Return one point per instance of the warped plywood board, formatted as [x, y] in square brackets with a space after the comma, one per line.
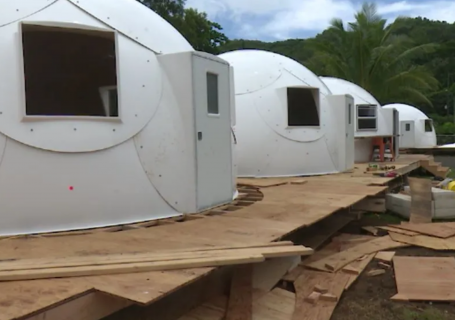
[425, 278]
[439, 229]
[342, 241]
[421, 200]
[425, 241]
[304, 286]
[338, 260]
[397, 230]
[277, 304]
[385, 255]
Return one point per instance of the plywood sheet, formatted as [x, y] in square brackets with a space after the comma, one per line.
[321, 310]
[440, 229]
[397, 230]
[421, 200]
[425, 278]
[337, 261]
[425, 241]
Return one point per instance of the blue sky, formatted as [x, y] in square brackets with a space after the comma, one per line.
[271, 20]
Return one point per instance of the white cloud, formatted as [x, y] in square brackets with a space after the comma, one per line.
[279, 19]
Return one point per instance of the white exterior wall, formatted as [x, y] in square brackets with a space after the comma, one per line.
[266, 146]
[74, 173]
[361, 96]
[408, 113]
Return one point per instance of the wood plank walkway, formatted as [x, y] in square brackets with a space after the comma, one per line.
[283, 209]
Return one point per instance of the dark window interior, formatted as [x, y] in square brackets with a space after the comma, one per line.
[366, 117]
[408, 127]
[302, 107]
[65, 69]
[366, 124]
[428, 125]
[212, 94]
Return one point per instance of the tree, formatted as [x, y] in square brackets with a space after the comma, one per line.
[369, 54]
[201, 33]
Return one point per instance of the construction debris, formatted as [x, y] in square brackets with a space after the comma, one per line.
[313, 297]
[328, 297]
[375, 272]
[385, 255]
[320, 289]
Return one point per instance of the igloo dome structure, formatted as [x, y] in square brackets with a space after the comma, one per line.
[370, 120]
[108, 116]
[287, 121]
[416, 129]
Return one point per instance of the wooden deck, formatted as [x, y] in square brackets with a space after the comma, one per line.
[284, 208]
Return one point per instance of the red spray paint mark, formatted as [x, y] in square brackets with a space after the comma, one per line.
[71, 188]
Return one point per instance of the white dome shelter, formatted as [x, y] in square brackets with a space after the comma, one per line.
[370, 119]
[108, 116]
[416, 129]
[287, 121]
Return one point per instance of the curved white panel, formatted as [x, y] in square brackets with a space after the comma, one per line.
[43, 191]
[138, 23]
[13, 10]
[139, 87]
[267, 146]
[166, 155]
[422, 139]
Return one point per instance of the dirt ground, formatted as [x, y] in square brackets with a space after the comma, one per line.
[369, 297]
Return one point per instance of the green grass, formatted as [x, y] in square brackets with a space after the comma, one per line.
[388, 217]
[427, 314]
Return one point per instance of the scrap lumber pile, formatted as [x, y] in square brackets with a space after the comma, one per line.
[31, 269]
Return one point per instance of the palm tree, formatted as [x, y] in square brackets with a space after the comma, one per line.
[369, 54]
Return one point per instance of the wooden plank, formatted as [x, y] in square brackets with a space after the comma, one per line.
[337, 261]
[425, 241]
[90, 306]
[421, 200]
[322, 310]
[267, 252]
[425, 278]
[440, 230]
[397, 230]
[33, 274]
[385, 255]
[240, 306]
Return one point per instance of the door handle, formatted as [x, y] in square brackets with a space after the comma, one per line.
[199, 135]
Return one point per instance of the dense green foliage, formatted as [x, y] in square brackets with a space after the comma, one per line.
[203, 34]
[409, 61]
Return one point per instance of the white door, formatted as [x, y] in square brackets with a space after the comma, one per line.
[211, 82]
[350, 148]
[407, 135]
